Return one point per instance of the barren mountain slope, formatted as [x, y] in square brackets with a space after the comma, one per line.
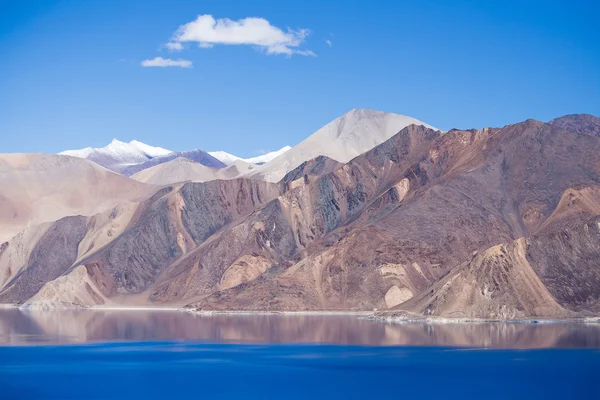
[237, 169]
[40, 258]
[472, 190]
[566, 262]
[584, 124]
[548, 275]
[186, 170]
[344, 138]
[50, 258]
[492, 223]
[124, 250]
[280, 234]
[497, 283]
[178, 170]
[308, 171]
[575, 207]
[37, 188]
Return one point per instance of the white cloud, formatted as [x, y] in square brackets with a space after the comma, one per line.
[174, 46]
[166, 62]
[306, 53]
[329, 42]
[206, 31]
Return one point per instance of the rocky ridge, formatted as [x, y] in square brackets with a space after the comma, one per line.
[497, 223]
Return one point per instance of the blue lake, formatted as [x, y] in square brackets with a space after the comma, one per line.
[169, 355]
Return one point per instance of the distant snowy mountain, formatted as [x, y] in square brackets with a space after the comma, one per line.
[130, 158]
[224, 157]
[118, 155]
[265, 158]
[133, 157]
[230, 159]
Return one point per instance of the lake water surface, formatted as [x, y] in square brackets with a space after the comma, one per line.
[169, 354]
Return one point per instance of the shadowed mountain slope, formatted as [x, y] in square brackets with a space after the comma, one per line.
[126, 248]
[198, 156]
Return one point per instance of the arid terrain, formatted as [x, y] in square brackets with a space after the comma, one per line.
[375, 211]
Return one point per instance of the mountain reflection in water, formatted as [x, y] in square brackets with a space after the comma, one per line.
[19, 327]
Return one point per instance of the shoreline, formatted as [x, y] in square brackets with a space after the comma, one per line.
[368, 315]
[445, 320]
[130, 308]
[284, 313]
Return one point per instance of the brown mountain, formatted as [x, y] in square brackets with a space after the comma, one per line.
[495, 223]
[38, 188]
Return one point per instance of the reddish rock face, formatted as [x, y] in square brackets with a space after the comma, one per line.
[395, 222]
[492, 223]
[583, 124]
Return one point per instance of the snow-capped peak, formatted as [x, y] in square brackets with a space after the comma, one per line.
[117, 147]
[224, 157]
[83, 153]
[268, 157]
[229, 159]
[119, 153]
[150, 150]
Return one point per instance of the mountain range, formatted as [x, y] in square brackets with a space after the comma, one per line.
[130, 158]
[374, 211]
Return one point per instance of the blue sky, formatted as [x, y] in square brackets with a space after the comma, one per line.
[71, 73]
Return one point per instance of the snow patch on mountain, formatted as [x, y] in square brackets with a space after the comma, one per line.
[224, 157]
[230, 159]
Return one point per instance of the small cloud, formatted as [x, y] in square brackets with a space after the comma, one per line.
[166, 62]
[258, 32]
[329, 42]
[306, 53]
[174, 46]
